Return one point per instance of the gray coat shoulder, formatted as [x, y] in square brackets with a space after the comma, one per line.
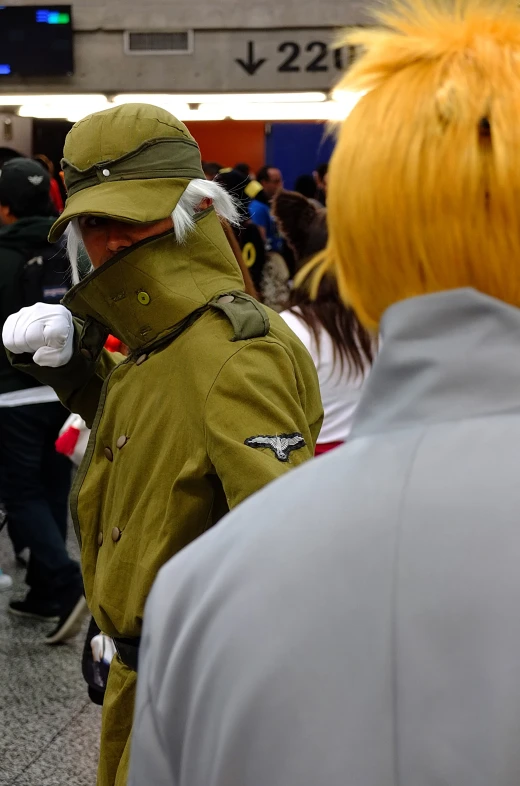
[352, 623]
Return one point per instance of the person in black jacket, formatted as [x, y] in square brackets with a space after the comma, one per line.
[35, 479]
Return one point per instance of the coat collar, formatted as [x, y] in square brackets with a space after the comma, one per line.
[146, 292]
[448, 356]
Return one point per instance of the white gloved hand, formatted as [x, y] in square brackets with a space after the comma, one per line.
[45, 331]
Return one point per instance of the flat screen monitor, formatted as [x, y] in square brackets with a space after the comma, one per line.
[36, 41]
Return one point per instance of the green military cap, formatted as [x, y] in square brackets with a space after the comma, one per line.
[132, 163]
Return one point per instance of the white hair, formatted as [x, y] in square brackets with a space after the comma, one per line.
[183, 216]
[198, 190]
[73, 235]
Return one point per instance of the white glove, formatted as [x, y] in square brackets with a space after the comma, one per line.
[42, 329]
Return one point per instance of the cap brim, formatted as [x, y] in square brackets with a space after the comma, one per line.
[135, 201]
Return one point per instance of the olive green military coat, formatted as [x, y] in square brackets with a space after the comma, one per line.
[216, 399]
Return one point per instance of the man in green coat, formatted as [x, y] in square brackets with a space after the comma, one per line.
[216, 398]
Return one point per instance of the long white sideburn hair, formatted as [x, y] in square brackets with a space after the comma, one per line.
[182, 216]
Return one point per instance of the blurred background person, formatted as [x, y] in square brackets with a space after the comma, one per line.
[211, 169]
[306, 185]
[341, 348]
[266, 271]
[277, 272]
[271, 181]
[250, 243]
[6, 153]
[35, 478]
[321, 178]
[55, 192]
[244, 169]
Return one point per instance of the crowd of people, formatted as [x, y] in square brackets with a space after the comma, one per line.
[255, 621]
[221, 268]
[269, 263]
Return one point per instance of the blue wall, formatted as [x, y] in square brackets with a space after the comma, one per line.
[297, 148]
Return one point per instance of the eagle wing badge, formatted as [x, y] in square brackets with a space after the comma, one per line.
[282, 445]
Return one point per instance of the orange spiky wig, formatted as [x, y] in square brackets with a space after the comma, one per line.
[424, 191]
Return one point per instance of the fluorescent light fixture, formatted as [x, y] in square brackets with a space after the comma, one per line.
[237, 106]
[80, 98]
[74, 111]
[72, 108]
[204, 112]
[347, 98]
[324, 111]
[166, 99]
[13, 100]
[249, 106]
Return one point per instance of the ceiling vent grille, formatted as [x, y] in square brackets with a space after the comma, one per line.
[174, 42]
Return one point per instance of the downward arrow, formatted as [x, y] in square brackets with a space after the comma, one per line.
[251, 65]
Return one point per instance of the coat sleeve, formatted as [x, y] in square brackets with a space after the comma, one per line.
[78, 383]
[260, 419]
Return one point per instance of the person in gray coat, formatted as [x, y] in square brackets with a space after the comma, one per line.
[357, 623]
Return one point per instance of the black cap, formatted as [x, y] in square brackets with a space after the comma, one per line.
[24, 187]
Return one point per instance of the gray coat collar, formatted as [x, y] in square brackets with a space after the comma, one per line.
[448, 356]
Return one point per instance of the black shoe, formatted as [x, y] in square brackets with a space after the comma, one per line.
[71, 619]
[30, 608]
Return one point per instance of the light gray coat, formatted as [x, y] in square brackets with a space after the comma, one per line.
[357, 623]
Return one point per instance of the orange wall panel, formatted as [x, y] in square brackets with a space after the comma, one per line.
[231, 141]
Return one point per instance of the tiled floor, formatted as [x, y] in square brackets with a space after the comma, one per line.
[49, 729]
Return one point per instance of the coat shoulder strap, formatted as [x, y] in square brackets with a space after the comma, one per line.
[248, 317]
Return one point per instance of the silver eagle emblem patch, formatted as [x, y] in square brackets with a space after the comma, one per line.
[282, 445]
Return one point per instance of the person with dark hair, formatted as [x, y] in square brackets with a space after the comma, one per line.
[306, 186]
[268, 271]
[35, 481]
[321, 178]
[250, 242]
[55, 193]
[342, 349]
[243, 169]
[7, 153]
[269, 180]
[211, 169]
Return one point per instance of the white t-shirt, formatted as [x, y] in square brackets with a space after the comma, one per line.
[339, 393]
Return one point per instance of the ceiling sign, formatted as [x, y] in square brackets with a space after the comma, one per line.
[293, 55]
[297, 59]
